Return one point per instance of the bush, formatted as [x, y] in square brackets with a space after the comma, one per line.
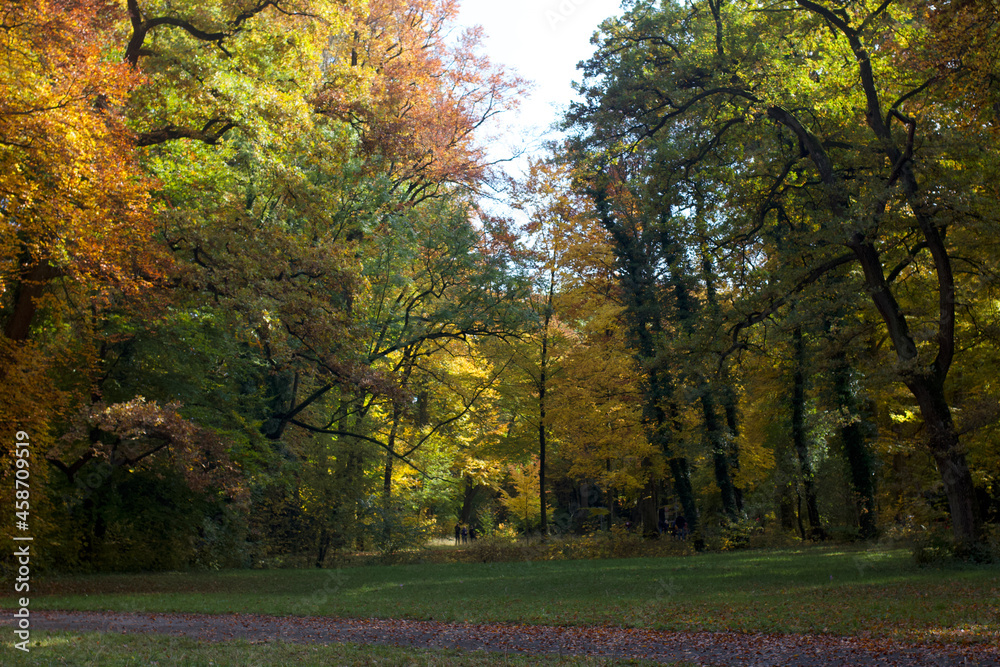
[499, 549]
[736, 534]
[505, 546]
[392, 529]
[937, 547]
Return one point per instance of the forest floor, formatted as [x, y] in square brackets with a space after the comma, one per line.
[612, 645]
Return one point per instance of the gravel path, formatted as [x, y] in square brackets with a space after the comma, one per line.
[698, 647]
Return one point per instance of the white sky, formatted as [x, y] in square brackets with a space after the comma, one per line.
[542, 40]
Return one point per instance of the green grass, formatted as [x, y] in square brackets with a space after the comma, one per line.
[63, 648]
[869, 592]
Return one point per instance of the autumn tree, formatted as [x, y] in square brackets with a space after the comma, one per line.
[73, 203]
[826, 125]
[639, 258]
[425, 96]
[217, 184]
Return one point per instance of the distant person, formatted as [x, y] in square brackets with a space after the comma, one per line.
[681, 527]
[465, 535]
[472, 533]
[458, 533]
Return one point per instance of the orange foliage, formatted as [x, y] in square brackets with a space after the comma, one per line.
[425, 97]
[74, 228]
[71, 196]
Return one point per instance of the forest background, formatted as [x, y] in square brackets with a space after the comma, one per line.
[253, 310]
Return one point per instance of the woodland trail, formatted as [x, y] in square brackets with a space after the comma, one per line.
[701, 648]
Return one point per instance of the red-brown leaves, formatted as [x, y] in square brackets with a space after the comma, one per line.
[424, 97]
[141, 432]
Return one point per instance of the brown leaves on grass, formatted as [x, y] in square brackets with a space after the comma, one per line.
[701, 648]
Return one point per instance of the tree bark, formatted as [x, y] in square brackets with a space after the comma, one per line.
[468, 500]
[542, 389]
[854, 438]
[800, 438]
[390, 455]
[720, 455]
[725, 449]
[34, 280]
[685, 491]
[648, 506]
[644, 316]
[927, 381]
[732, 423]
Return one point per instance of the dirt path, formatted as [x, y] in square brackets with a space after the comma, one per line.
[699, 647]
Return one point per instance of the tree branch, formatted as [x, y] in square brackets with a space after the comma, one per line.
[801, 284]
[348, 434]
[210, 134]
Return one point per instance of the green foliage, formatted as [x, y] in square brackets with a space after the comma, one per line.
[251, 312]
[743, 133]
[134, 520]
[487, 517]
[938, 548]
[522, 503]
[394, 528]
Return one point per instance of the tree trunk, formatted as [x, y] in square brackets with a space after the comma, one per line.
[786, 509]
[390, 455]
[397, 416]
[798, 514]
[468, 500]
[542, 388]
[29, 290]
[645, 318]
[949, 456]
[685, 492]
[323, 545]
[648, 505]
[724, 448]
[925, 380]
[732, 423]
[854, 438]
[800, 436]
[718, 441]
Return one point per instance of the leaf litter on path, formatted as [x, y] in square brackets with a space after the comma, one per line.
[702, 648]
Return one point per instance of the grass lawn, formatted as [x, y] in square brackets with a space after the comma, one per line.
[866, 592]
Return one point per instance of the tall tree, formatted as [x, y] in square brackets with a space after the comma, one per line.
[640, 256]
[811, 119]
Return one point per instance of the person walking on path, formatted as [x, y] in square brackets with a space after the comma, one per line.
[458, 533]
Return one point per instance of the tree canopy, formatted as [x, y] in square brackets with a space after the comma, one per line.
[250, 304]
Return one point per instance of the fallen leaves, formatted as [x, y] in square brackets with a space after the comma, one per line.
[703, 648]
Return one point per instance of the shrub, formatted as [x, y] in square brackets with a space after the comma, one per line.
[937, 547]
[392, 529]
[503, 546]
